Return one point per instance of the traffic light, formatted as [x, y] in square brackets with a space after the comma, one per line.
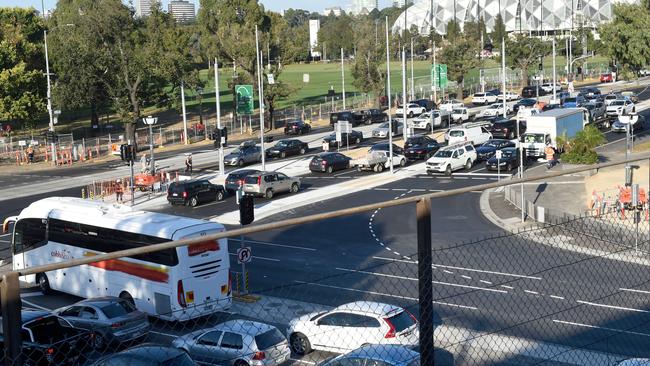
[216, 136]
[127, 152]
[246, 210]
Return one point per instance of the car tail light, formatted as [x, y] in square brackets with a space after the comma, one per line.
[259, 180]
[118, 324]
[240, 182]
[184, 194]
[49, 354]
[181, 294]
[391, 329]
[323, 163]
[259, 356]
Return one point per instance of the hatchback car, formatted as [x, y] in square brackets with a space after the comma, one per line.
[297, 128]
[267, 184]
[235, 179]
[284, 148]
[378, 354]
[634, 123]
[329, 162]
[113, 320]
[420, 147]
[193, 192]
[236, 342]
[147, 355]
[246, 153]
[351, 325]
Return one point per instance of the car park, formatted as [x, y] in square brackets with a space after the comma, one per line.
[268, 184]
[484, 98]
[451, 158]
[247, 152]
[489, 148]
[329, 162]
[474, 133]
[147, 354]
[284, 148]
[297, 128]
[348, 326]
[508, 160]
[235, 179]
[236, 342]
[383, 129]
[420, 147]
[411, 110]
[507, 128]
[111, 319]
[353, 138]
[450, 104]
[194, 192]
[620, 107]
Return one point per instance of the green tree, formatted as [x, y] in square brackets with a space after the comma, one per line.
[22, 84]
[522, 52]
[460, 57]
[337, 33]
[626, 38]
[366, 70]
[453, 30]
[499, 31]
[581, 148]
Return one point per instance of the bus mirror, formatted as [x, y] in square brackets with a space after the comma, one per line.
[5, 224]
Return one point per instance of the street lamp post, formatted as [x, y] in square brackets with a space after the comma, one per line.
[150, 121]
[199, 95]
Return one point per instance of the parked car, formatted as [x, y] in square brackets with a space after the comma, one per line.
[484, 98]
[284, 148]
[451, 158]
[531, 92]
[495, 109]
[636, 122]
[147, 355]
[574, 102]
[353, 138]
[420, 147]
[235, 179]
[450, 104]
[507, 128]
[268, 184]
[487, 150]
[378, 160]
[548, 88]
[329, 162]
[561, 96]
[373, 115]
[630, 95]
[341, 116]
[473, 133]
[510, 96]
[619, 107]
[590, 92]
[412, 109]
[509, 160]
[297, 128]
[384, 146]
[236, 342]
[351, 325]
[460, 115]
[596, 111]
[425, 103]
[549, 106]
[378, 354]
[247, 152]
[527, 102]
[49, 340]
[193, 192]
[112, 320]
[424, 121]
[609, 98]
[382, 130]
[606, 78]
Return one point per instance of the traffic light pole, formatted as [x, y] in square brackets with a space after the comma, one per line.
[132, 183]
[216, 92]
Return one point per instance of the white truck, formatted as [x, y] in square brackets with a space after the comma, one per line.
[378, 160]
[545, 127]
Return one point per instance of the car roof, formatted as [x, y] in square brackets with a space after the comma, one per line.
[369, 307]
[99, 301]
[27, 315]
[152, 352]
[393, 353]
[243, 326]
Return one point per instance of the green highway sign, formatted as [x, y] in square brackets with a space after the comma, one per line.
[439, 75]
[244, 95]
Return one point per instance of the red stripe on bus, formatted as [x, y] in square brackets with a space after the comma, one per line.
[199, 248]
[142, 271]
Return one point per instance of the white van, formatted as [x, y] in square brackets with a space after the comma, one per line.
[468, 132]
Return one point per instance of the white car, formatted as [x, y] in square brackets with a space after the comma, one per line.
[495, 109]
[351, 325]
[451, 158]
[460, 115]
[510, 96]
[412, 109]
[382, 130]
[609, 98]
[548, 87]
[619, 107]
[450, 104]
[473, 133]
[484, 98]
[425, 121]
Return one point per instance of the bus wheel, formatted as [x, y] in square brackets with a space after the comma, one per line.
[43, 283]
[127, 296]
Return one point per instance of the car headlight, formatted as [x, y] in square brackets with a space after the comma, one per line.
[502, 163]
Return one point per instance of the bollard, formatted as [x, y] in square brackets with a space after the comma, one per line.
[246, 283]
[83, 193]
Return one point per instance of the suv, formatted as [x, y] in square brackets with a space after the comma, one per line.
[420, 147]
[373, 115]
[425, 103]
[596, 110]
[484, 98]
[297, 128]
[195, 191]
[341, 116]
[267, 184]
[235, 179]
[531, 92]
[451, 158]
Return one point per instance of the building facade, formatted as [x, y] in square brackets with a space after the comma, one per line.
[363, 6]
[143, 7]
[314, 27]
[182, 10]
[335, 10]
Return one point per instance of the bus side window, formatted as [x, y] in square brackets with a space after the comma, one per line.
[29, 234]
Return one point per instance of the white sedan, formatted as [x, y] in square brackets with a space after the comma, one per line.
[412, 109]
[511, 96]
[450, 105]
[494, 110]
[619, 107]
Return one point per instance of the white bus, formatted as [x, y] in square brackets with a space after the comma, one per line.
[175, 284]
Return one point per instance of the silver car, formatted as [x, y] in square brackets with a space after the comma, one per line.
[236, 342]
[113, 320]
[267, 184]
[246, 153]
[382, 130]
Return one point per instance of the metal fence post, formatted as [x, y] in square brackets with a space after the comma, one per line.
[425, 278]
[11, 318]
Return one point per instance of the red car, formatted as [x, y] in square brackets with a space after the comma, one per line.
[606, 78]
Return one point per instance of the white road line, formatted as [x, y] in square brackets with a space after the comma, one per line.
[418, 190]
[466, 277]
[531, 292]
[34, 305]
[460, 177]
[634, 290]
[612, 307]
[3, 235]
[415, 279]
[448, 272]
[486, 282]
[400, 189]
[462, 268]
[381, 189]
[301, 361]
[273, 244]
[508, 287]
[382, 294]
[603, 328]
[5, 241]
[164, 334]
[341, 173]
[209, 204]
[556, 297]
[262, 258]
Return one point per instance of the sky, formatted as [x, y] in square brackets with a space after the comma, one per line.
[276, 5]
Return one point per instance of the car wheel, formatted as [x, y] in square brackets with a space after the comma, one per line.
[240, 162]
[509, 167]
[98, 341]
[386, 119]
[43, 284]
[299, 344]
[468, 164]
[283, 155]
[428, 127]
[194, 202]
[410, 114]
[448, 170]
[220, 196]
[330, 169]
[402, 163]
[294, 188]
[302, 151]
[268, 194]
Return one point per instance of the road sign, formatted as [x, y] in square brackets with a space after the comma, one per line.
[305, 78]
[499, 154]
[271, 79]
[439, 75]
[244, 99]
[244, 255]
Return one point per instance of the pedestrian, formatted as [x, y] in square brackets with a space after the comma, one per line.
[188, 163]
[30, 154]
[549, 151]
[143, 163]
[119, 191]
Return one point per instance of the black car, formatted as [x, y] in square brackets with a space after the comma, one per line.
[590, 93]
[297, 128]
[425, 103]
[329, 162]
[508, 161]
[50, 340]
[372, 115]
[194, 191]
[527, 102]
[548, 107]
[287, 147]
[343, 116]
[531, 91]
[235, 179]
[353, 138]
[420, 147]
[487, 150]
[147, 355]
[507, 128]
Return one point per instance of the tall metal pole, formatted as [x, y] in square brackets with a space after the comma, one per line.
[184, 113]
[152, 162]
[218, 101]
[412, 74]
[49, 99]
[404, 103]
[435, 78]
[503, 82]
[343, 77]
[260, 93]
[521, 169]
[390, 117]
[554, 72]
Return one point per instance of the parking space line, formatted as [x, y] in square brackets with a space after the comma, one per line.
[634, 290]
[3, 235]
[164, 334]
[302, 361]
[612, 307]
[35, 305]
[598, 327]
[341, 173]
[272, 244]
[209, 204]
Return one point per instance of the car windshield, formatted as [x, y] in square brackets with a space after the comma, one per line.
[48, 329]
[534, 138]
[180, 360]
[589, 106]
[282, 143]
[269, 339]
[443, 154]
[491, 144]
[618, 102]
[496, 106]
[456, 133]
[116, 309]
[236, 152]
[383, 125]
[458, 111]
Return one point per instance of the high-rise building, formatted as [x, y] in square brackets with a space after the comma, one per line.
[182, 10]
[335, 10]
[363, 6]
[314, 27]
[143, 7]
